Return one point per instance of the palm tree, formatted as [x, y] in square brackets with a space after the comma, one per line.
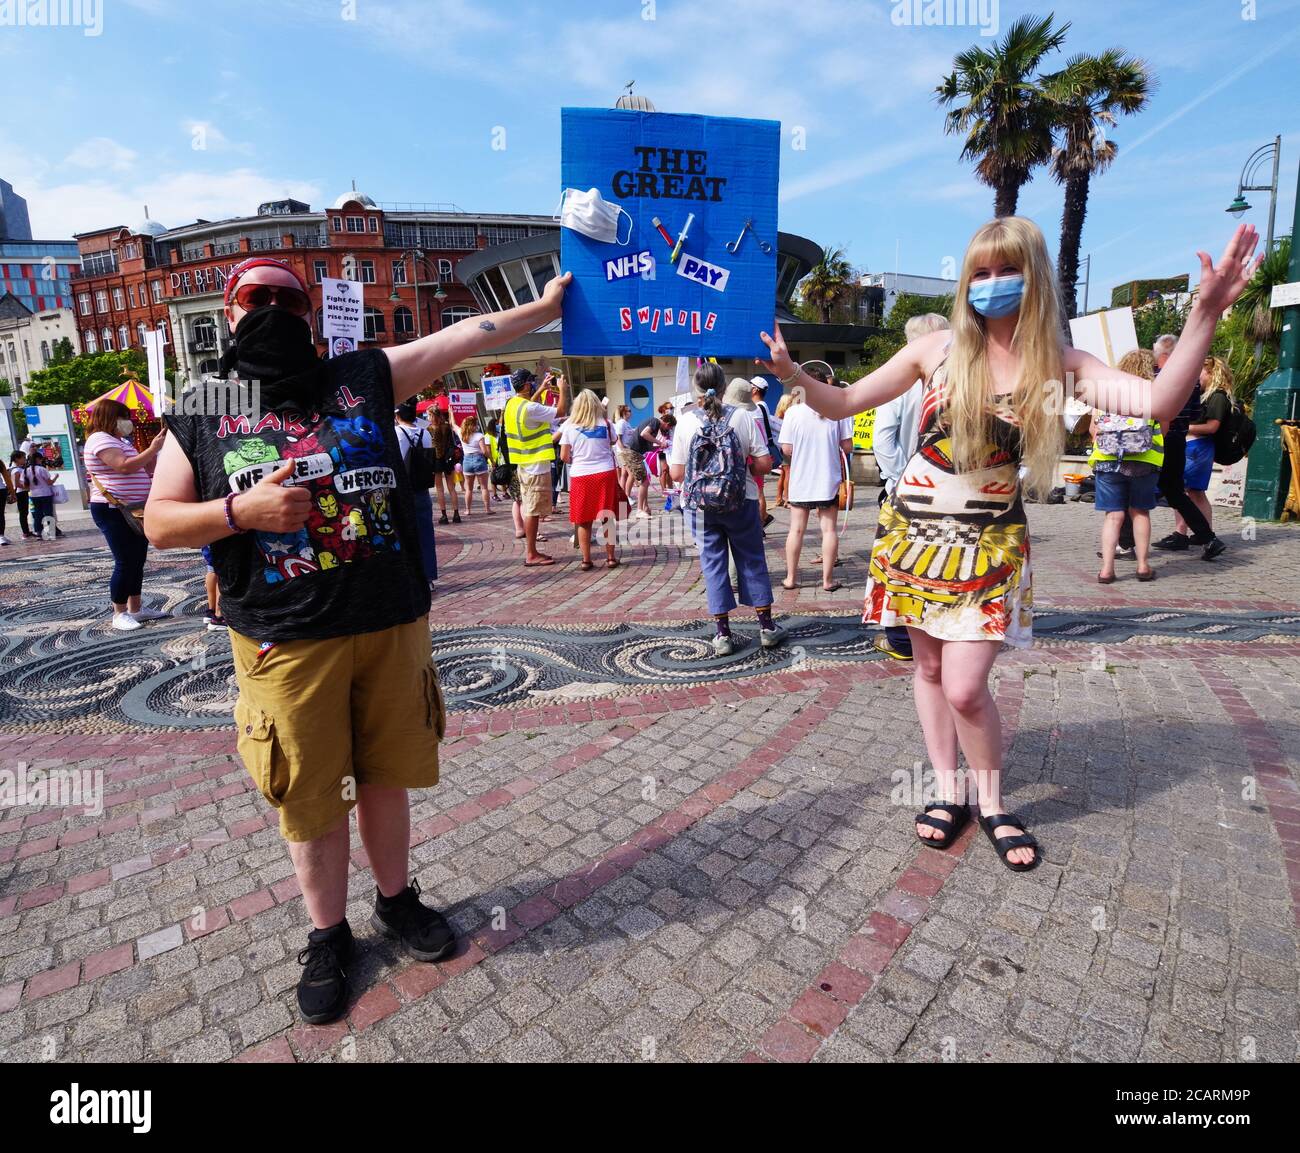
[1088, 95]
[828, 282]
[1266, 321]
[1005, 118]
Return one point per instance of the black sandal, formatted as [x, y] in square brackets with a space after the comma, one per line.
[1004, 845]
[960, 815]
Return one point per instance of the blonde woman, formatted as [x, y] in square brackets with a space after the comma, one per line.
[788, 401]
[951, 557]
[1216, 405]
[587, 447]
[475, 465]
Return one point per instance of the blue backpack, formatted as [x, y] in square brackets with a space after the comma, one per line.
[715, 467]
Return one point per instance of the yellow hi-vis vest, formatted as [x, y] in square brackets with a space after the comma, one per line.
[527, 444]
[1155, 455]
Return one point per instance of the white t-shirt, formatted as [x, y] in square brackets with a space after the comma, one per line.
[775, 421]
[36, 479]
[624, 432]
[475, 444]
[813, 445]
[408, 438]
[591, 449]
[742, 424]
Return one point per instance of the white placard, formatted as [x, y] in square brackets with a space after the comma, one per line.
[1109, 336]
[156, 354]
[496, 391]
[1285, 295]
[343, 315]
[1228, 485]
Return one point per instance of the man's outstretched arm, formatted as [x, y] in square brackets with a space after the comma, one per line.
[417, 365]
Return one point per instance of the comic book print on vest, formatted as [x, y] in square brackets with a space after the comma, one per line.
[341, 462]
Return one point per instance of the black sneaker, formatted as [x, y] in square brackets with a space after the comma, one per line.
[1174, 542]
[443, 519]
[423, 931]
[323, 986]
[455, 517]
[1213, 549]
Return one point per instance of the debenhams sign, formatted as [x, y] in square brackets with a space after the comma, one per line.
[201, 280]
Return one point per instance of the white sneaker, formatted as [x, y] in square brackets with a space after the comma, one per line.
[4, 540]
[151, 615]
[125, 622]
[640, 515]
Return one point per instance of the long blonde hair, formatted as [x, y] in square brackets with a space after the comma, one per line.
[788, 401]
[588, 412]
[1220, 377]
[1037, 398]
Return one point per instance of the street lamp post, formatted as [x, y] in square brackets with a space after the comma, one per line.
[1256, 160]
[1087, 264]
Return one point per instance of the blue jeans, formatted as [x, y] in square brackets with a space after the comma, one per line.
[424, 529]
[42, 506]
[129, 549]
[741, 532]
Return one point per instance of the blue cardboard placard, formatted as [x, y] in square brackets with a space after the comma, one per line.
[630, 299]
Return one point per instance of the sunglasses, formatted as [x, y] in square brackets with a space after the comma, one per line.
[251, 296]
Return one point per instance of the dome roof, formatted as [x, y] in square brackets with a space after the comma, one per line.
[353, 197]
[147, 227]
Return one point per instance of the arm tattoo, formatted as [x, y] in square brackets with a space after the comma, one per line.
[487, 326]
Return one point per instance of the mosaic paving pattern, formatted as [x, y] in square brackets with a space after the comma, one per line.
[62, 668]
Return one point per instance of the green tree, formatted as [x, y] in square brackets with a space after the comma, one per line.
[1266, 321]
[83, 378]
[1006, 119]
[879, 347]
[1088, 95]
[827, 283]
[1248, 358]
[62, 352]
[1157, 318]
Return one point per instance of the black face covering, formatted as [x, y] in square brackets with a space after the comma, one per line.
[274, 348]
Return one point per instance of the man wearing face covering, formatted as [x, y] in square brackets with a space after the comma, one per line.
[308, 511]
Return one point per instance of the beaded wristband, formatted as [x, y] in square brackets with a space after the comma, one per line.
[791, 378]
[230, 513]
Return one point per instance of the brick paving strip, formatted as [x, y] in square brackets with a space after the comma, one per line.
[249, 904]
[822, 1007]
[415, 980]
[1268, 762]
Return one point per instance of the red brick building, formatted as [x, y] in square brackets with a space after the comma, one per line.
[150, 276]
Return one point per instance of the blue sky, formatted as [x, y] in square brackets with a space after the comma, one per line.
[294, 98]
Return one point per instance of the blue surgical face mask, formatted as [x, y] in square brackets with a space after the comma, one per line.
[998, 296]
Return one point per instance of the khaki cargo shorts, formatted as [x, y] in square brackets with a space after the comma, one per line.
[535, 493]
[318, 718]
[634, 462]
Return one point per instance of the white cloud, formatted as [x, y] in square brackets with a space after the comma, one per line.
[176, 198]
[882, 159]
[204, 136]
[101, 152]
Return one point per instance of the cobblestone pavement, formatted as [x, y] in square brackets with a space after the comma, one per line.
[700, 861]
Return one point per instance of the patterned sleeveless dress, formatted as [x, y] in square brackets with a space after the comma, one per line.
[951, 554]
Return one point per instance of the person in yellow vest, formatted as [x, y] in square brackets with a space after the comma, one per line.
[1127, 452]
[531, 446]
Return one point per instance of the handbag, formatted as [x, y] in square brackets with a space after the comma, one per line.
[847, 487]
[60, 493]
[133, 514]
